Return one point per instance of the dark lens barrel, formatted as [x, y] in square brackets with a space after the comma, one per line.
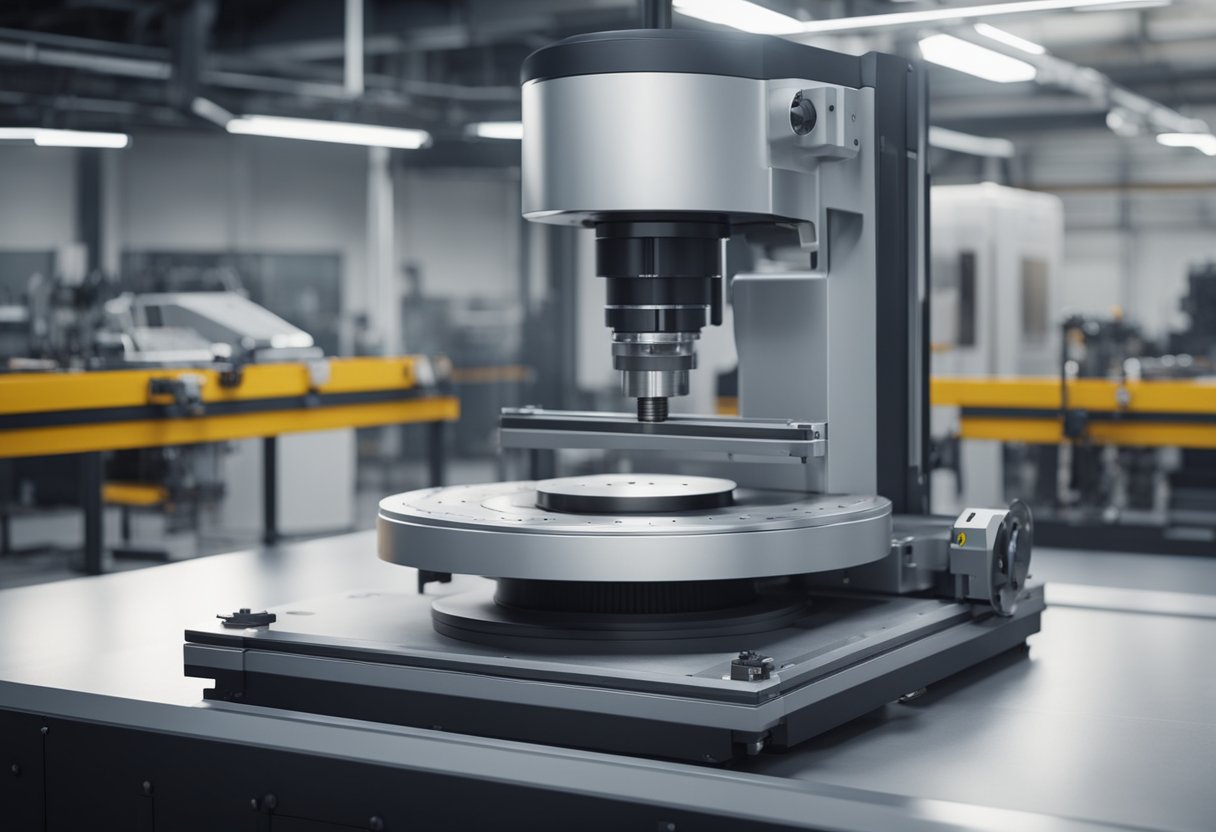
[662, 276]
[669, 249]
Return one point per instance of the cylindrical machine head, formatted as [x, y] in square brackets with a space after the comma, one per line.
[660, 140]
[628, 152]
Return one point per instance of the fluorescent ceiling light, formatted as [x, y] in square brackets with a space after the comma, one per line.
[874, 21]
[338, 132]
[750, 17]
[740, 14]
[973, 59]
[1123, 5]
[1123, 122]
[208, 109]
[969, 144]
[498, 130]
[1204, 142]
[64, 138]
[1009, 39]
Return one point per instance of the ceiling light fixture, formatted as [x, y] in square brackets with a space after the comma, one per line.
[212, 112]
[1009, 39]
[1123, 122]
[1203, 142]
[498, 130]
[1125, 5]
[740, 14]
[751, 17]
[973, 59]
[337, 132]
[64, 138]
[971, 145]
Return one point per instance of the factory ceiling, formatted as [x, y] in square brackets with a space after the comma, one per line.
[139, 64]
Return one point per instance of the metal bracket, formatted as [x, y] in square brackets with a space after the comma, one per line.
[750, 666]
[186, 391]
[762, 440]
[245, 617]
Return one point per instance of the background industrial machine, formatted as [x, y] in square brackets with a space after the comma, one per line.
[90, 350]
[996, 259]
[1114, 448]
[675, 615]
[484, 338]
[73, 323]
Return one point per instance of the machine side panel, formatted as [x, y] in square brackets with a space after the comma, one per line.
[900, 342]
[152, 780]
[807, 341]
[22, 781]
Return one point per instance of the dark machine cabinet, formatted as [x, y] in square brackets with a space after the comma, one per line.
[22, 783]
[85, 776]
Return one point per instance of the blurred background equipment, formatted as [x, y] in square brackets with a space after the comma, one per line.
[88, 357]
[1116, 452]
[263, 262]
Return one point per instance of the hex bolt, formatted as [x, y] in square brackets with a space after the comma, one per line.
[270, 802]
[375, 823]
[147, 787]
[15, 769]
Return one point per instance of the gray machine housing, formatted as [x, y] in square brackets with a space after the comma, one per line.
[668, 128]
[684, 125]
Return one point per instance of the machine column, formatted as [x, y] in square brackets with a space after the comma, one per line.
[436, 457]
[270, 490]
[91, 470]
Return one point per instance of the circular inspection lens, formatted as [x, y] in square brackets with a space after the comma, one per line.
[802, 114]
[633, 494]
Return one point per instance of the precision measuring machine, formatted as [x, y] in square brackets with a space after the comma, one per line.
[788, 579]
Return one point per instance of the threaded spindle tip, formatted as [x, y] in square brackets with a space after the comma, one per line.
[652, 409]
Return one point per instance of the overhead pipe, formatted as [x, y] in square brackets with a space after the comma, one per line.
[32, 53]
[21, 47]
[354, 48]
[1098, 88]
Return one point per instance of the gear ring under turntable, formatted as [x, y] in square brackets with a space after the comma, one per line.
[498, 530]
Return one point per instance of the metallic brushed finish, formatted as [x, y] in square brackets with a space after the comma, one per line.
[689, 143]
[633, 493]
[496, 530]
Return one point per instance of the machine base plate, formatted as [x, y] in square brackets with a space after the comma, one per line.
[375, 656]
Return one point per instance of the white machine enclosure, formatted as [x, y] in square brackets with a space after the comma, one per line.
[997, 255]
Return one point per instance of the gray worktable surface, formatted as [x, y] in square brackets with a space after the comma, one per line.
[1111, 716]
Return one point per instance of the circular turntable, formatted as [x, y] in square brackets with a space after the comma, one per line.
[630, 528]
[633, 494]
